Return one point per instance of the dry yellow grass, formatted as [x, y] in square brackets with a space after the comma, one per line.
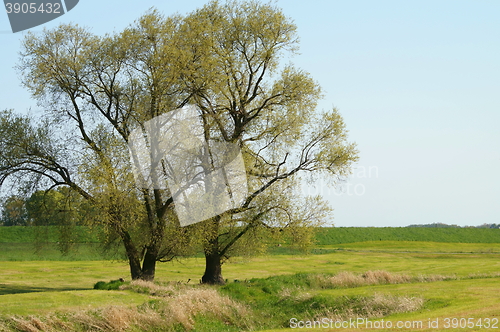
[377, 277]
[181, 303]
[184, 307]
[378, 306]
[24, 325]
[151, 288]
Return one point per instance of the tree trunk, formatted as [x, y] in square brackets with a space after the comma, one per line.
[135, 268]
[213, 264]
[149, 266]
[213, 269]
[147, 271]
[134, 260]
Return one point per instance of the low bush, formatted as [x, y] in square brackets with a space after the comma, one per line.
[112, 285]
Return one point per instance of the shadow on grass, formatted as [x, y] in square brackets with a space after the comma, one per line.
[19, 289]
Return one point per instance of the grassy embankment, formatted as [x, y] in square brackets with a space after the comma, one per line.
[16, 243]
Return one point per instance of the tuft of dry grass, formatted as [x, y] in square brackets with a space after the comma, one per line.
[3, 327]
[483, 275]
[377, 306]
[381, 305]
[346, 279]
[34, 324]
[434, 277]
[384, 277]
[151, 288]
[114, 318]
[183, 307]
[24, 325]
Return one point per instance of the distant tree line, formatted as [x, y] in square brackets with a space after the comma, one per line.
[441, 225]
[41, 208]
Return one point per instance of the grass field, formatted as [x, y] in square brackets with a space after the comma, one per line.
[452, 280]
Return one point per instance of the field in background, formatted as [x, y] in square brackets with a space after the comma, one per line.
[333, 235]
[470, 289]
[16, 243]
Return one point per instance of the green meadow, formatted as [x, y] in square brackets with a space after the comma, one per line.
[403, 279]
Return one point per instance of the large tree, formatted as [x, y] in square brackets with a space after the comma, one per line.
[248, 97]
[225, 60]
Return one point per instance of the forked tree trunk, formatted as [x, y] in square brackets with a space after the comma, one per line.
[147, 270]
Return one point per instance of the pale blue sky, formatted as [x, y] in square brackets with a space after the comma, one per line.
[418, 83]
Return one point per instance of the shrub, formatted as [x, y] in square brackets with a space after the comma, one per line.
[112, 285]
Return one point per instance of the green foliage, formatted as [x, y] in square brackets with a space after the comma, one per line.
[112, 285]
[100, 285]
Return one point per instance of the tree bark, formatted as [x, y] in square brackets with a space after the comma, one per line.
[213, 264]
[133, 258]
[149, 266]
[135, 269]
[213, 269]
[147, 270]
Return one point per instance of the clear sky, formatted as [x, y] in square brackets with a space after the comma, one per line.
[418, 84]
